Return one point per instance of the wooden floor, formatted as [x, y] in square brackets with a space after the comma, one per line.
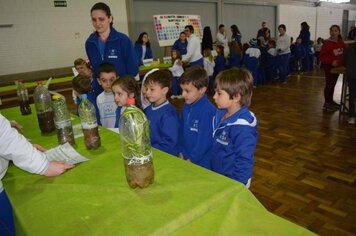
[305, 161]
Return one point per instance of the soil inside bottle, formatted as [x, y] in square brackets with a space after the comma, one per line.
[92, 138]
[45, 121]
[25, 107]
[66, 135]
[139, 175]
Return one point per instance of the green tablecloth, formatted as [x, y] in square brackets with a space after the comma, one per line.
[94, 198]
[34, 84]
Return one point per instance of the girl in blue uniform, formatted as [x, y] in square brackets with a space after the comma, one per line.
[143, 47]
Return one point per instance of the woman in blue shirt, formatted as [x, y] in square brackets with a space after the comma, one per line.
[143, 47]
[181, 44]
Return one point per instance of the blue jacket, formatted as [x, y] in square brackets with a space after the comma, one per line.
[305, 36]
[234, 144]
[139, 51]
[234, 59]
[299, 51]
[181, 47]
[164, 126]
[219, 64]
[118, 116]
[195, 131]
[237, 38]
[118, 51]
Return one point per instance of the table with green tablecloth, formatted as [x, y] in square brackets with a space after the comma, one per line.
[95, 199]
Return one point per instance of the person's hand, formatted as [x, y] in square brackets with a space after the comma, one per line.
[57, 168]
[16, 126]
[39, 147]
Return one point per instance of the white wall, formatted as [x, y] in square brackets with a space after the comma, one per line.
[318, 18]
[292, 16]
[47, 37]
[352, 15]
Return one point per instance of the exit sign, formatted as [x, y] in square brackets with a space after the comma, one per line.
[60, 3]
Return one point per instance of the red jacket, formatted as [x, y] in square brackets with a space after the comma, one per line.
[332, 51]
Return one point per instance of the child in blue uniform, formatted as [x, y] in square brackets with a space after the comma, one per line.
[219, 60]
[234, 126]
[163, 117]
[83, 85]
[124, 88]
[197, 115]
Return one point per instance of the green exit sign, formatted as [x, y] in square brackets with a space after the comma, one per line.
[60, 3]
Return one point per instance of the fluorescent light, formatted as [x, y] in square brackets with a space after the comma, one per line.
[335, 1]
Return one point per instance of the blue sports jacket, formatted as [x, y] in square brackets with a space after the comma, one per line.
[234, 144]
[139, 51]
[118, 51]
[195, 132]
[181, 47]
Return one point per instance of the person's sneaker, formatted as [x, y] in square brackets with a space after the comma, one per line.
[336, 105]
[351, 120]
[330, 107]
[173, 97]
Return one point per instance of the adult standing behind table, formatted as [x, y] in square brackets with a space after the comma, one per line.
[193, 56]
[181, 44]
[350, 63]
[143, 47]
[108, 45]
[15, 147]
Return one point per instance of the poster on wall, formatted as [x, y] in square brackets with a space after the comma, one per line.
[168, 27]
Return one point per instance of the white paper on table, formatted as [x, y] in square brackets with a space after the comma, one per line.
[65, 153]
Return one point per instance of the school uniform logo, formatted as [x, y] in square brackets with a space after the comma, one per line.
[109, 110]
[112, 53]
[338, 51]
[195, 125]
[222, 138]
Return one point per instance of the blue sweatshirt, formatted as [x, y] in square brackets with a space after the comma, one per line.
[139, 51]
[299, 51]
[164, 126]
[118, 51]
[234, 59]
[118, 116]
[181, 47]
[234, 144]
[219, 64]
[195, 131]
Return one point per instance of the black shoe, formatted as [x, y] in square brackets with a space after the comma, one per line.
[329, 107]
[336, 105]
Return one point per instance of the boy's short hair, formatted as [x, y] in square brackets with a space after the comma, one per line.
[236, 81]
[283, 26]
[190, 27]
[81, 84]
[272, 42]
[195, 75]
[106, 68]
[221, 25]
[161, 77]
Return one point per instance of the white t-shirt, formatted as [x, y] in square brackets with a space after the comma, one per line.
[107, 107]
[209, 66]
[177, 69]
[193, 49]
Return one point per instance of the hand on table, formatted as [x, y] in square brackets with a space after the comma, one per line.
[57, 168]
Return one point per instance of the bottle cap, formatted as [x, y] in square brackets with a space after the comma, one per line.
[39, 82]
[20, 80]
[83, 96]
[130, 101]
[56, 96]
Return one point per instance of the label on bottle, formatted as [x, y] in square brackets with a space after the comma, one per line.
[63, 124]
[86, 125]
[139, 160]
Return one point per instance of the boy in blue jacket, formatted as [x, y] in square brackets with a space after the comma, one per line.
[197, 115]
[234, 126]
[162, 116]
